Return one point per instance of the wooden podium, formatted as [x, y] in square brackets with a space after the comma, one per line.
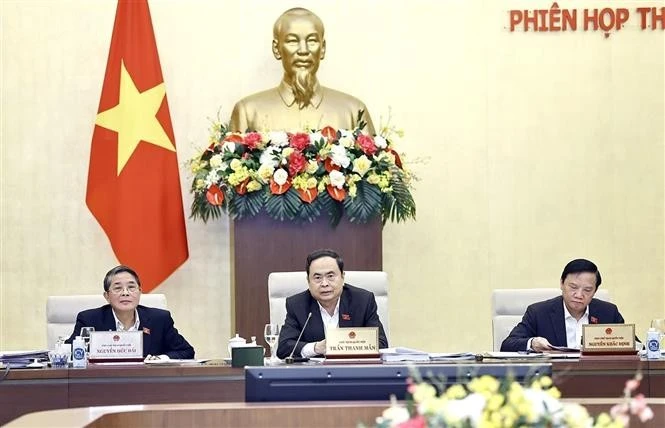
[261, 245]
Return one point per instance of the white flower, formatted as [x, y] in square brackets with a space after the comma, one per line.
[211, 178]
[278, 138]
[216, 161]
[347, 141]
[361, 165]
[337, 179]
[396, 414]
[280, 176]
[229, 146]
[265, 171]
[268, 156]
[380, 142]
[339, 156]
[315, 137]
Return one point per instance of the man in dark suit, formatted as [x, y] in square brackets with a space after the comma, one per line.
[559, 321]
[122, 289]
[332, 304]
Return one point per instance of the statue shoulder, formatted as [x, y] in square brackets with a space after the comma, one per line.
[342, 98]
[269, 96]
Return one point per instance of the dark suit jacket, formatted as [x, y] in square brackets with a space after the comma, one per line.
[356, 302]
[546, 319]
[163, 338]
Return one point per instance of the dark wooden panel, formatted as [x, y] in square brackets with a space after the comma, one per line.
[262, 245]
[18, 397]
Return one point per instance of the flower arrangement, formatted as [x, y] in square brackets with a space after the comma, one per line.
[488, 402]
[297, 176]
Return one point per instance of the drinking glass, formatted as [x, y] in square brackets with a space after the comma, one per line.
[85, 334]
[271, 333]
[659, 325]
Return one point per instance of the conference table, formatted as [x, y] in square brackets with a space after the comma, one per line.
[24, 391]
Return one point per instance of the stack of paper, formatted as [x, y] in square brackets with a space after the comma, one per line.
[451, 356]
[18, 359]
[403, 354]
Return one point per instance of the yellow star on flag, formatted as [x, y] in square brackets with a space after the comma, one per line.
[134, 118]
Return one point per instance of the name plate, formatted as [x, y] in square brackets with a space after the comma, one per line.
[116, 346]
[352, 342]
[608, 339]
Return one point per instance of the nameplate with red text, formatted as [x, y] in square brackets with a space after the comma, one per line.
[608, 338]
[116, 346]
[352, 342]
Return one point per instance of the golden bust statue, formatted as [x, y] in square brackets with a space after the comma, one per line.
[299, 102]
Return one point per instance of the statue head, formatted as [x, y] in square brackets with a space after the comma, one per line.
[299, 43]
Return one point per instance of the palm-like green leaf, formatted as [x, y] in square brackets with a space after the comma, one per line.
[283, 207]
[335, 209]
[398, 206]
[309, 212]
[366, 205]
[247, 205]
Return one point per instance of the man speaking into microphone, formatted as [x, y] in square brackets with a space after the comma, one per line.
[332, 304]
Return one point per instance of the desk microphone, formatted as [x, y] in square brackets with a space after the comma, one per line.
[290, 359]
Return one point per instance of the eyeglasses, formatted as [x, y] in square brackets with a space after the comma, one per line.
[329, 277]
[131, 289]
[584, 291]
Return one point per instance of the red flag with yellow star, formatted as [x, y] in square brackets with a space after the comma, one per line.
[133, 182]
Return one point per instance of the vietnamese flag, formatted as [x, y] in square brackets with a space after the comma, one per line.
[133, 182]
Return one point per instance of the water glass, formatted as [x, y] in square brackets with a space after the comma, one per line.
[271, 334]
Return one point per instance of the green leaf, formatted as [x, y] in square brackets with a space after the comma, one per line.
[283, 207]
[366, 205]
[247, 205]
[334, 208]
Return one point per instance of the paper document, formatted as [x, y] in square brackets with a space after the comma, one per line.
[174, 362]
[451, 356]
[515, 355]
[403, 354]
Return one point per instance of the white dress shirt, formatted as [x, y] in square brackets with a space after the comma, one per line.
[574, 327]
[329, 321]
[119, 326]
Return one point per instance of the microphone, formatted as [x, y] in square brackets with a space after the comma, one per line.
[291, 359]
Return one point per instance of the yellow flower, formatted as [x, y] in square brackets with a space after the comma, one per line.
[265, 172]
[455, 392]
[311, 182]
[236, 164]
[353, 190]
[545, 381]
[373, 178]
[287, 152]
[494, 402]
[312, 166]
[239, 176]
[200, 184]
[253, 186]
[554, 392]
[423, 391]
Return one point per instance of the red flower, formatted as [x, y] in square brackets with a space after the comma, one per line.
[276, 189]
[398, 161]
[329, 133]
[335, 193]
[214, 195]
[241, 188]
[415, 422]
[297, 163]
[299, 141]
[366, 143]
[329, 166]
[252, 139]
[308, 195]
[233, 138]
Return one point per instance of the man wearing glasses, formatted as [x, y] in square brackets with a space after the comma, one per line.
[559, 321]
[332, 304]
[122, 290]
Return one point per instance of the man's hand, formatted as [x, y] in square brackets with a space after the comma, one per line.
[320, 347]
[540, 344]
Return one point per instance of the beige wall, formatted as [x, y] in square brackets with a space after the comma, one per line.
[535, 149]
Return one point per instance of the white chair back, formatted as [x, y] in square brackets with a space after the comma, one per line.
[509, 305]
[61, 312]
[284, 284]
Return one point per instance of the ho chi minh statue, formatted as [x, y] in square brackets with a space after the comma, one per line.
[299, 102]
